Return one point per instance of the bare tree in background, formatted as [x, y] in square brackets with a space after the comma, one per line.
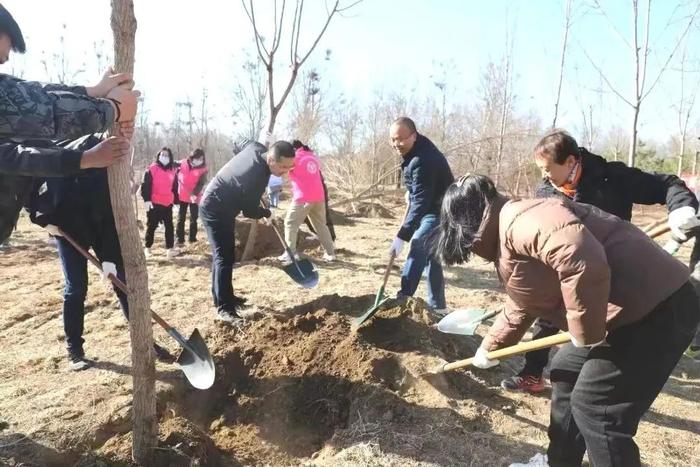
[307, 108]
[57, 67]
[144, 415]
[640, 54]
[567, 26]
[685, 106]
[267, 52]
[249, 96]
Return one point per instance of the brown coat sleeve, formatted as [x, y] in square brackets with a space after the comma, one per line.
[508, 328]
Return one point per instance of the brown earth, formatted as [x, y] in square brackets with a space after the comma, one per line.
[296, 386]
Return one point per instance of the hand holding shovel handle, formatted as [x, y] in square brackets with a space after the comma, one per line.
[517, 349]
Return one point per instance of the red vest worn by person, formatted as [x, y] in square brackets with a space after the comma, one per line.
[187, 179]
[162, 185]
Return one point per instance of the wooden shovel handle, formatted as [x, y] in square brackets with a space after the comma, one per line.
[659, 230]
[517, 349]
[115, 280]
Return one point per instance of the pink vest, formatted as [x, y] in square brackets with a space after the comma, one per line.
[306, 178]
[187, 179]
[162, 185]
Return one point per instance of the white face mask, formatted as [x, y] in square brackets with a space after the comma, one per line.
[197, 162]
[165, 160]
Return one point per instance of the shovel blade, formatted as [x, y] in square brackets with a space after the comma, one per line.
[357, 322]
[196, 362]
[462, 322]
[303, 273]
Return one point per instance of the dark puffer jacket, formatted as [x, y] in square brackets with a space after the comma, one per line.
[615, 188]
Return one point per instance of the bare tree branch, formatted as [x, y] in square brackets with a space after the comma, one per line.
[612, 88]
[262, 51]
[602, 11]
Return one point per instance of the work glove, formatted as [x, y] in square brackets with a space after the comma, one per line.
[482, 361]
[148, 205]
[53, 230]
[589, 346]
[107, 269]
[193, 199]
[396, 246]
[679, 221]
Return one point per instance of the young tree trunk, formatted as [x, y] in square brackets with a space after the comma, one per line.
[142, 359]
[631, 155]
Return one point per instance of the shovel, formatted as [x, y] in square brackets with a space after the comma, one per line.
[464, 322]
[300, 270]
[380, 299]
[194, 359]
[517, 349]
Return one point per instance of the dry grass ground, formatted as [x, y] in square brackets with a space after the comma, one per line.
[294, 387]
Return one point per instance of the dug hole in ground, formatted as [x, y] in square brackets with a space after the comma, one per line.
[294, 387]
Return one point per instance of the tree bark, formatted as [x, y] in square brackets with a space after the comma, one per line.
[142, 356]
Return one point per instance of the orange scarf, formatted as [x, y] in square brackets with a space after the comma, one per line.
[569, 186]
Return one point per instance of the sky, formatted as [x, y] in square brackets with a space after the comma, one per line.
[183, 47]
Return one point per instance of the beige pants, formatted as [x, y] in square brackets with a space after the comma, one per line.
[296, 213]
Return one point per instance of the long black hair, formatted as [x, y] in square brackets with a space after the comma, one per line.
[460, 217]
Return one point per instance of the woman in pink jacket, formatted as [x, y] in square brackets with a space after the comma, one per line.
[191, 177]
[308, 199]
[159, 192]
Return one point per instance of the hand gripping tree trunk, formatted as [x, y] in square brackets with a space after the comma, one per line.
[142, 358]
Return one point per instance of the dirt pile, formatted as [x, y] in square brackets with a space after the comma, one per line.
[301, 384]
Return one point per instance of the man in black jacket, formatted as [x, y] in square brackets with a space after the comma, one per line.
[236, 188]
[572, 172]
[426, 175]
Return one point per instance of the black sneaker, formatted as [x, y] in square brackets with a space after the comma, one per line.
[228, 316]
[239, 301]
[77, 362]
[162, 354]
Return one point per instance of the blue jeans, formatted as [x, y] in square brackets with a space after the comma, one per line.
[74, 267]
[417, 260]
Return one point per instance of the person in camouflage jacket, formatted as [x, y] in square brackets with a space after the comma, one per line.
[33, 115]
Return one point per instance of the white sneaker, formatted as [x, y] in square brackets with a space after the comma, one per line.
[538, 460]
[285, 258]
[328, 258]
[172, 252]
[147, 252]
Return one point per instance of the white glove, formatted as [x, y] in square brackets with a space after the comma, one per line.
[678, 218]
[589, 346]
[107, 269]
[396, 246]
[482, 361]
[193, 199]
[53, 230]
[672, 246]
[148, 205]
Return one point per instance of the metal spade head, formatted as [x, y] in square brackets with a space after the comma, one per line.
[302, 272]
[196, 362]
[463, 322]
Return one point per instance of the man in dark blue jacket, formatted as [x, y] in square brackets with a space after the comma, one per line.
[237, 188]
[426, 175]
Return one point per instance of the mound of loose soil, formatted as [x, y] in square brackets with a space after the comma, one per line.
[369, 209]
[303, 384]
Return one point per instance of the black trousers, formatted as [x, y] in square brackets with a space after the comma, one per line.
[154, 217]
[600, 394]
[181, 219]
[221, 234]
[536, 361]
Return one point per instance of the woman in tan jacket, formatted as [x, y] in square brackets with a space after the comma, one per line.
[627, 304]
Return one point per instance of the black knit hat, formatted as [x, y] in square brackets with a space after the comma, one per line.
[9, 26]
